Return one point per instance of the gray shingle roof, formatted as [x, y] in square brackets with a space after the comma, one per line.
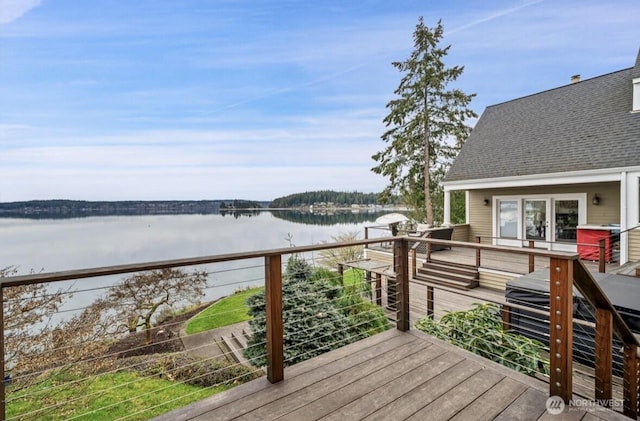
[582, 126]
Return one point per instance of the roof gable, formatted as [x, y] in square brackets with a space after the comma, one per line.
[582, 126]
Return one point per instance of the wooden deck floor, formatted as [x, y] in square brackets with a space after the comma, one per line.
[390, 376]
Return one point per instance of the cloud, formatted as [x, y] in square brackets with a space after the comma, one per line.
[14, 9]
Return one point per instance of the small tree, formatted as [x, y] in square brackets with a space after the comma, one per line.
[332, 257]
[136, 299]
[28, 310]
[426, 122]
[84, 336]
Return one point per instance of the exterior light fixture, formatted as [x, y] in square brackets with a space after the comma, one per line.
[485, 202]
[596, 199]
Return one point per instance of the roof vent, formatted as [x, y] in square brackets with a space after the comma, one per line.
[575, 78]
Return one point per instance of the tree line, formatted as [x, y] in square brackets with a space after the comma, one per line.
[52, 209]
[329, 218]
[325, 196]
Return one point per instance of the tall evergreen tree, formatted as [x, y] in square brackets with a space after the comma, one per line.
[426, 122]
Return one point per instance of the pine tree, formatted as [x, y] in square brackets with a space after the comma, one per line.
[426, 122]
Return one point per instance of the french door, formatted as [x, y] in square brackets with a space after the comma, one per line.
[550, 221]
[536, 222]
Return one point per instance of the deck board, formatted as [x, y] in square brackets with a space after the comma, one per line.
[341, 397]
[493, 402]
[302, 396]
[449, 404]
[394, 375]
[373, 400]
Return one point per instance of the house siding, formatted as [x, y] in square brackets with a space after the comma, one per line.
[495, 280]
[480, 223]
[634, 245]
[461, 233]
[606, 212]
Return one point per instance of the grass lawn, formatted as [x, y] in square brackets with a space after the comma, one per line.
[227, 311]
[105, 397]
[352, 277]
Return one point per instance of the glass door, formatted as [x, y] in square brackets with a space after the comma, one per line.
[536, 222]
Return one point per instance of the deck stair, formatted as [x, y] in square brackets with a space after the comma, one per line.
[449, 274]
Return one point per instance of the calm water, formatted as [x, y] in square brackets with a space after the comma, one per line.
[64, 244]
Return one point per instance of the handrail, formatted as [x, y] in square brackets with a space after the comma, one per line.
[165, 264]
[609, 321]
[507, 249]
[273, 291]
[629, 229]
[591, 291]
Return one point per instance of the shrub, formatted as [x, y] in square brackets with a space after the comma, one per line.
[319, 315]
[480, 331]
[312, 324]
[367, 318]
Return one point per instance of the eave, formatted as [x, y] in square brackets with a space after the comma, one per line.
[550, 179]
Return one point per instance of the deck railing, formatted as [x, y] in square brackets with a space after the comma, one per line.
[261, 268]
[565, 272]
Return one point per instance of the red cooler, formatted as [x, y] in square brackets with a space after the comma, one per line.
[589, 237]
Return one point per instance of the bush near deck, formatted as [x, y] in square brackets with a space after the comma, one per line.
[321, 312]
[480, 331]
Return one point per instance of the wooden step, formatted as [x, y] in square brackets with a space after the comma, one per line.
[451, 267]
[445, 274]
[459, 283]
[453, 275]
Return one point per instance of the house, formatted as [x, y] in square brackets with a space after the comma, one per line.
[541, 167]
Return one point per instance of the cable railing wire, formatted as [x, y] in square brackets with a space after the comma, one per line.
[386, 292]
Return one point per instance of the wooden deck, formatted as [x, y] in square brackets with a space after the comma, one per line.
[390, 376]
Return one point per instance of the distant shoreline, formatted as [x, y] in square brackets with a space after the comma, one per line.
[61, 209]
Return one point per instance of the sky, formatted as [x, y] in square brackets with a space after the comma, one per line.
[256, 99]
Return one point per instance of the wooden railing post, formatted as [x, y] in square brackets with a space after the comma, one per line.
[401, 268]
[604, 352]
[478, 240]
[275, 330]
[601, 255]
[366, 236]
[532, 258]
[630, 380]
[561, 328]
[430, 301]
[506, 317]
[414, 262]
[379, 289]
